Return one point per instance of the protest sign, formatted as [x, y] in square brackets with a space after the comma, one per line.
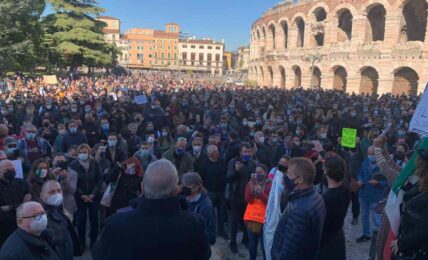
[18, 169]
[256, 211]
[50, 79]
[419, 122]
[140, 100]
[349, 137]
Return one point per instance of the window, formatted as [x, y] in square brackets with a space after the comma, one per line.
[163, 55]
[192, 46]
[184, 46]
[201, 46]
[169, 56]
[175, 56]
[217, 57]
[217, 48]
[210, 47]
[201, 59]
[209, 58]
[192, 58]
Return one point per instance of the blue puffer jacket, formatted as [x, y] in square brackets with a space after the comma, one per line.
[203, 207]
[299, 231]
[368, 192]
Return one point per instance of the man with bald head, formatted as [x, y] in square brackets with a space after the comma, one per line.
[158, 228]
[213, 172]
[12, 193]
[29, 241]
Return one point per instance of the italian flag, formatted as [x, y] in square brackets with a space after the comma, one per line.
[395, 198]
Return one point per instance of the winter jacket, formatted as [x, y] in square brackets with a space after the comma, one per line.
[203, 207]
[23, 246]
[165, 231]
[299, 231]
[73, 139]
[44, 149]
[213, 175]
[187, 161]
[88, 181]
[369, 192]
[237, 181]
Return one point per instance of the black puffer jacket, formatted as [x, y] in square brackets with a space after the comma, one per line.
[413, 234]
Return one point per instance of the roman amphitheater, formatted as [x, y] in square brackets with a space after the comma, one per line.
[361, 46]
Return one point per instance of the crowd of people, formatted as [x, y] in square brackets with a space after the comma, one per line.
[163, 167]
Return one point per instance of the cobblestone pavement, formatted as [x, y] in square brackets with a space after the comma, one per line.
[221, 250]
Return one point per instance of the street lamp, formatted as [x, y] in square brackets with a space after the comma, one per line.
[313, 59]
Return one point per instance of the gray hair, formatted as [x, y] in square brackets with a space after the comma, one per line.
[211, 148]
[160, 180]
[20, 210]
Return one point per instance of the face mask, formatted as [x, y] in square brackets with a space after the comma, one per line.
[275, 140]
[372, 159]
[245, 123]
[179, 151]
[401, 133]
[298, 132]
[55, 200]
[186, 191]
[41, 173]
[74, 110]
[282, 168]
[73, 130]
[223, 125]
[261, 139]
[38, 226]
[144, 152]
[353, 114]
[112, 143]
[399, 155]
[164, 133]
[4, 112]
[48, 106]
[83, 156]
[323, 135]
[197, 149]
[260, 177]
[289, 183]
[130, 170]
[246, 158]
[297, 143]
[9, 174]
[30, 136]
[10, 150]
[105, 126]
[151, 139]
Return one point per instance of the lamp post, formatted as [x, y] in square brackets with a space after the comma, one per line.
[313, 59]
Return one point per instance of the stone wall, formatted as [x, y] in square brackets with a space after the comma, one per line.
[359, 46]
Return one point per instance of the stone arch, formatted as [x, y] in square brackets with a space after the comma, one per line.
[283, 23]
[262, 76]
[320, 14]
[406, 81]
[340, 78]
[316, 77]
[315, 9]
[297, 76]
[270, 71]
[414, 22]
[300, 27]
[376, 14]
[345, 21]
[272, 32]
[281, 70]
[369, 80]
[264, 32]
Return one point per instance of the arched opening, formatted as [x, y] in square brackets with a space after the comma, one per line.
[264, 33]
[297, 77]
[284, 26]
[320, 14]
[262, 77]
[405, 81]
[369, 81]
[415, 20]
[282, 72]
[376, 24]
[300, 24]
[344, 25]
[340, 78]
[316, 78]
[258, 34]
[319, 39]
[273, 36]
[270, 70]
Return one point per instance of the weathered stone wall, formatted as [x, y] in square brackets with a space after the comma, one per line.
[359, 46]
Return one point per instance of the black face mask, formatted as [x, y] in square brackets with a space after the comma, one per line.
[282, 168]
[186, 191]
[62, 165]
[9, 175]
[399, 155]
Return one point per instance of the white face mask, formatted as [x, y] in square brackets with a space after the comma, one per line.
[261, 139]
[55, 200]
[197, 149]
[38, 226]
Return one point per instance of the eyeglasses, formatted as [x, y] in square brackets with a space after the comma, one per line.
[37, 216]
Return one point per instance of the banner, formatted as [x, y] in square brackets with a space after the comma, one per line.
[18, 169]
[349, 137]
[255, 211]
[140, 100]
[419, 122]
[50, 79]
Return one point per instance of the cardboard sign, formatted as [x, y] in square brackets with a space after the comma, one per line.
[18, 169]
[349, 137]
[419, 122]
[255, 211]
[140, 100]
[50, 79]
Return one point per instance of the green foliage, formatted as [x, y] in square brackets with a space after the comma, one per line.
[75, 36]
[20, 33]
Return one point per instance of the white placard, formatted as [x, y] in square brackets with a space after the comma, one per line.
[18, 169]
[140, 100]
[419, 122]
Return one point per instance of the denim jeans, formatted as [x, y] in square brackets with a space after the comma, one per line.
[367, 211]
[254, 242]
[219, 202]
[82, 211]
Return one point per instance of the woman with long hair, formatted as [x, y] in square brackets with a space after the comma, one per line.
[38, 175]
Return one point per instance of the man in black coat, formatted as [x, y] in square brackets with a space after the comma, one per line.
[158, 228]
[29, 241]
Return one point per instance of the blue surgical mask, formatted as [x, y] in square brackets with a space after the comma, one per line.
[105, 126]
[73, 130]
[31, 136]
[179, 151]
[372, 159]
[112, 143]
[289, 183]
[246, 158]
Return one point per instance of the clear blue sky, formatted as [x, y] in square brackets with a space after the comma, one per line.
[218, 19]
